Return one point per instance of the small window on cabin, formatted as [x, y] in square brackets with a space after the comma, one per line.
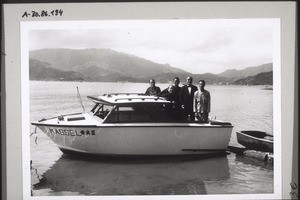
[140, 114]
[120, 115]
[159, 113]
[125, 114]
[124, 109]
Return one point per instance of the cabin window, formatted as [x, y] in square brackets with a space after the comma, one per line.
[138, 113]
[124, 109]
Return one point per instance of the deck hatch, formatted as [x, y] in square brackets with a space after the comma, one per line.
[76, 118]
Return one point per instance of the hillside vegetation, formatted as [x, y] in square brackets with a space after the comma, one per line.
[265, 78]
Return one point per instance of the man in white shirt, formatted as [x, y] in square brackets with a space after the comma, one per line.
[202, 103]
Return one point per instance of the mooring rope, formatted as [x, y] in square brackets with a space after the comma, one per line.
[34, 131]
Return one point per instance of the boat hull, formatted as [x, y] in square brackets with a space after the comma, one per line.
[255, 140]
[147, 139]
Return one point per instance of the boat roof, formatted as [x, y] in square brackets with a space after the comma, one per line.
[127, 98]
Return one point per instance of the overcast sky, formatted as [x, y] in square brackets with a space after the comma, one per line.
[197, 46]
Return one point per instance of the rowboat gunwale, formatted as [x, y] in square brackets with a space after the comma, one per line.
[255, 143]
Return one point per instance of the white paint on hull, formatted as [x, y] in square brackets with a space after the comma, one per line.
[146, 139]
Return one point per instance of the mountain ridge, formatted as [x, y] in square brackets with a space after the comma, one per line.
[128, 64]
[264, 78]
[248, 71]
[110, 65]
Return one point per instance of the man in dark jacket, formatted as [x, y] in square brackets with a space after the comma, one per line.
[170, 94]
[187, 97]
[177, 88]
[152, 90]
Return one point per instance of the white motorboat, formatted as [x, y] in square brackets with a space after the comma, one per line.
[134, 125]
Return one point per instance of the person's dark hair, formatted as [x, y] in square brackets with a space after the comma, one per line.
[203, 81]
[177, 78]
[152, 80]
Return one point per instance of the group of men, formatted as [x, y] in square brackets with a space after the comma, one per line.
[189, 102]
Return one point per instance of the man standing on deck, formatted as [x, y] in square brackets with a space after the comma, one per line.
[178, 93]
[177, 89]
[202, 103]
[187, 96]
[171, 95]
[152, 90]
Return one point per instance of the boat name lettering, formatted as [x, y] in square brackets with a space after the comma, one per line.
[71, 132]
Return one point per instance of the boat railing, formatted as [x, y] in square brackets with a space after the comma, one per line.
[127, 94]
[139, 98]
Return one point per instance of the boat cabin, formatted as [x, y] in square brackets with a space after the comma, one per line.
[133, 108]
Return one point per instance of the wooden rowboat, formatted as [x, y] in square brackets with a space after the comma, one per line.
[255, 140]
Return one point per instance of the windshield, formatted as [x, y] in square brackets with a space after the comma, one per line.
[101, 110]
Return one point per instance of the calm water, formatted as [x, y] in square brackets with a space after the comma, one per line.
[56, 174]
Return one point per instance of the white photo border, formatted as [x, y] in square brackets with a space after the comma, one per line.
[24, 87]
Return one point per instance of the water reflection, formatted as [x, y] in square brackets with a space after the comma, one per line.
[155, 176]
[254, 162]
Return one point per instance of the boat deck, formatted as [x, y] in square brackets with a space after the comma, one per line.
[88, 119]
